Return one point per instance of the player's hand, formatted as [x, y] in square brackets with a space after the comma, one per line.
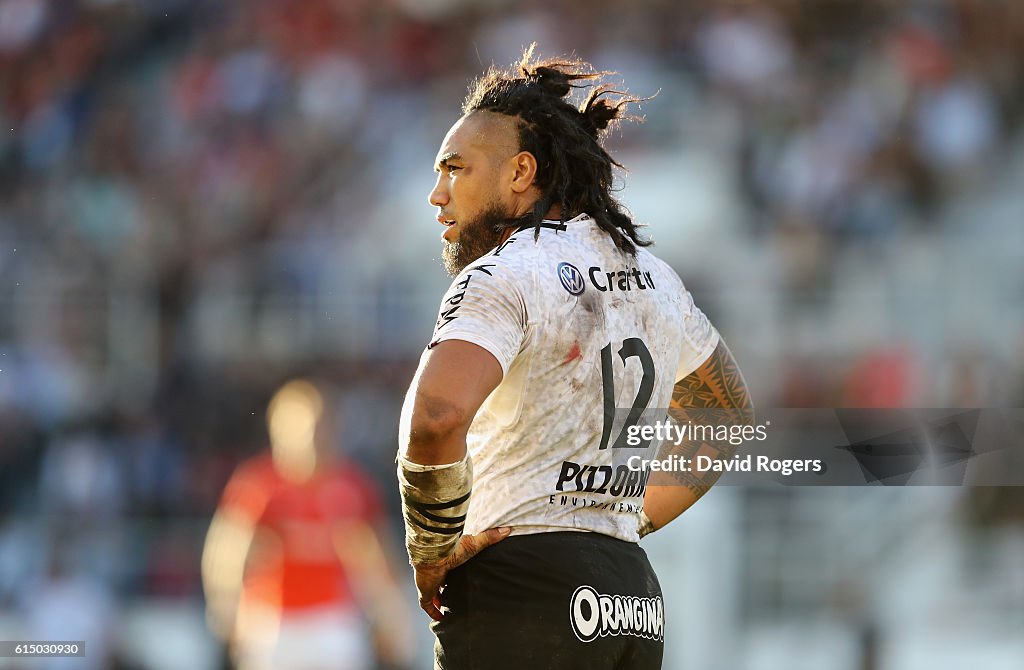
[430, 577]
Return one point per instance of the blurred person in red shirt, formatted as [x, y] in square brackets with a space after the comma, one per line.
[293, 568]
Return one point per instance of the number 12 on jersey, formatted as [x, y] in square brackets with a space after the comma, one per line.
[631, 347]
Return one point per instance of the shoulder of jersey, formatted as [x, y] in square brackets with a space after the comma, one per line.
[649, 259]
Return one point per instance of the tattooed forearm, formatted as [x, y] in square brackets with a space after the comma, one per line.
[696, 480]
[713, 395]
[698, 484]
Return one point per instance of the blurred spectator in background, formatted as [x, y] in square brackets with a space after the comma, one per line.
[294, 568]
[71, 603]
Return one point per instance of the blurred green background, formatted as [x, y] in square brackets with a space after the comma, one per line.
[200, 199]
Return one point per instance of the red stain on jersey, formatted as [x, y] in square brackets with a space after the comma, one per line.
[573, 354]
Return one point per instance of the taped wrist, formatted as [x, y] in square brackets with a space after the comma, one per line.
[646, 525]
[435, 499]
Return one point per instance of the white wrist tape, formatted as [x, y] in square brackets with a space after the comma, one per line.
[435, 499]
[646, 525]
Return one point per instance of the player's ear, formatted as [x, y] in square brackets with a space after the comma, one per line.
[524, 171]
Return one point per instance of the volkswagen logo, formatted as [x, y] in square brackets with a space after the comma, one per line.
[571, 278]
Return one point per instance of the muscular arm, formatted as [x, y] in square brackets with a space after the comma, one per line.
[361, 549]
[714, 393]
[223, 564]
[452, 382]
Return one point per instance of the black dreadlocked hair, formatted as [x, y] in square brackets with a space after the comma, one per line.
[573, 169]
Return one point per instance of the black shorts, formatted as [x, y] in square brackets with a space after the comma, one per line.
[550, 601]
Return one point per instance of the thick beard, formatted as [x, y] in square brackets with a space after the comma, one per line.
[478, 236]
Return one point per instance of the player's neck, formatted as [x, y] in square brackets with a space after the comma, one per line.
[553, 213]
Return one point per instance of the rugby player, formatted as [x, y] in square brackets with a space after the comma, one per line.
[294, 566]
[521, 528]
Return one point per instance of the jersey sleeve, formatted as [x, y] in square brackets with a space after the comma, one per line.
[247, 492]
[699, 338]
[485, 305]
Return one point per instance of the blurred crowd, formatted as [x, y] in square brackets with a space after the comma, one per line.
[200, 199]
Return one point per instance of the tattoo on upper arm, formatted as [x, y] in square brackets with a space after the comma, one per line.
[717, 383]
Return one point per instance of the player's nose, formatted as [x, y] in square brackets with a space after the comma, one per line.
[439, 195]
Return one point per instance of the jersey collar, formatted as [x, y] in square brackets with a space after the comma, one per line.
[555, 225]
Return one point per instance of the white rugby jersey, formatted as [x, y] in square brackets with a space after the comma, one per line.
[577, 325]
